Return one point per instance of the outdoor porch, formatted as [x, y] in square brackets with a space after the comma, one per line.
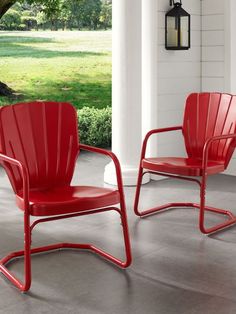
[175, 268]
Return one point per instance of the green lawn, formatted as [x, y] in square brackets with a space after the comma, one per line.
[60, 66]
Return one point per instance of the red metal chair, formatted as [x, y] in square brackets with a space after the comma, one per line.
[39, 147]
[209, 134]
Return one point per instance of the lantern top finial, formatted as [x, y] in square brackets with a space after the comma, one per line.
[172, 2]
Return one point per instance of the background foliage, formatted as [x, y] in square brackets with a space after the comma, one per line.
[95, 126]
[60, 66]
[58, 14]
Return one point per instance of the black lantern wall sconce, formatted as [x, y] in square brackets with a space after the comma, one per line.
[177, 27]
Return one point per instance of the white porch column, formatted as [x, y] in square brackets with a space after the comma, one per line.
[149, 71]
[126, 89]
[230, 60]
[150, 75]
[230, 45]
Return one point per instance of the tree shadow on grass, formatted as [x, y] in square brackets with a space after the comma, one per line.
[80, 91]
[25, 39]
[17, 50]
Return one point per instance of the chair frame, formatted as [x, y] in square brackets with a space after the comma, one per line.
[28, 227]
[202, 183]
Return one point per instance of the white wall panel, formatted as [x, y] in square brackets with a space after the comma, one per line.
[213, 45]
[213, 53]
[213, 38]
[173, 86]
[212, 22]
[171, 102]
[213, 84]
[179, 69]
[179, 73]
[170, 56]
[202, 68]
[213, 69]
[212, 7]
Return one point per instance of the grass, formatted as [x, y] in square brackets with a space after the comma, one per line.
[59, 66]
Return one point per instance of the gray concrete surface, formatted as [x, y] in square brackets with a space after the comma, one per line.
[175, 269]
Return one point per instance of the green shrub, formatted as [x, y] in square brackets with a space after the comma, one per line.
[21, 27]
[95, 126]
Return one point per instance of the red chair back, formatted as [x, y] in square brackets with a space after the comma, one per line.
[44, 137]
[207, 115]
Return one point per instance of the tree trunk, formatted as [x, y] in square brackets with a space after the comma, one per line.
[5, 6]
[6, 91]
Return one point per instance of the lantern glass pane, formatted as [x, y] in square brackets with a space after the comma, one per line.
[172, 32]
[184, 31]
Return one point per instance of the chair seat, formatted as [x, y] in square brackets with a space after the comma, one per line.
[68, 199]
[181, 166]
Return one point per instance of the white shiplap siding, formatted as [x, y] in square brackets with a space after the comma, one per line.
[213, 52]
[202, 68]
[179, 73]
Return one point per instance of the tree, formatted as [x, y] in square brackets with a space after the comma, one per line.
[11, 19]
[66, 18]
[79, 13]
[92, 9]
[5, 5]
[52, 11]
[41, 18]
[28, 19]
[72, 11]
[85, 13]
[89, 14]
[106, 14]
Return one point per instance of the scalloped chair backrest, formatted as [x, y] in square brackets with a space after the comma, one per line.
[44, 137]
[207, 115]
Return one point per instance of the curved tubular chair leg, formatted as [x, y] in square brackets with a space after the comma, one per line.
[158, 208]
[137, 194]
[27, 259]
[111, 258]
[124, 223]
[28, 251]
[202, 207]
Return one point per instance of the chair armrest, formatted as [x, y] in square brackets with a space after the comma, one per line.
[114, 159]
[155, 131]
[208, 144]
[24, 175]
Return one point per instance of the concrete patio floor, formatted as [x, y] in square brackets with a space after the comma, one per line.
[175, 268]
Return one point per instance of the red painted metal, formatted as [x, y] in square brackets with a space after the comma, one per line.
[68, 199]
[208, 115]
[182, 166]
[209, 128]
[39, 146]
[44, 139]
